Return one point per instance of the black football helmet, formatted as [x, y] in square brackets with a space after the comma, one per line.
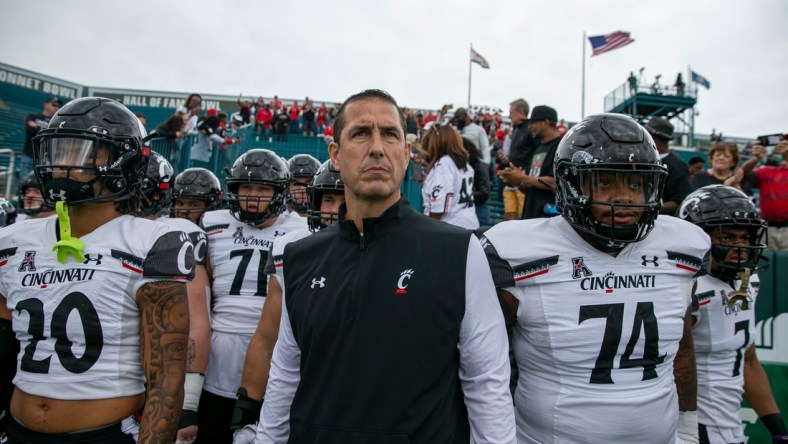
[200, 184]
[31, 181]
[157, 185]
[594, 152]
[327, 179]
[714, 207]
[257, 166]
[301, 165]
[91, 135]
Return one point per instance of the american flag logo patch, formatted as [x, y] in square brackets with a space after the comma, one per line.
[705, 297]
[685, 261]
[535, 268]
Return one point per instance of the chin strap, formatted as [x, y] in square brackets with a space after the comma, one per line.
[67, 244]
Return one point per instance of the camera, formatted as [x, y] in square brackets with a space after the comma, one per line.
[771, 139]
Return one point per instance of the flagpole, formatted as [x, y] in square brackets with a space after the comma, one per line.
[583, 88]
[470, 68]
[691, 141]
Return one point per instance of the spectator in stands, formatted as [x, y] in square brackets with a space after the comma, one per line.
[633, 83]
[521, 148]
[539, 182]
[411, 127]
[172, 129]
[322, 117]
[723, 158]
[264, 119]
[295, 114]
[679, 85]
[472, 132]
[677, 184]
[561, 127]
[276, 104]
[192, 101]
[695, 165]
[448, 189]
[281, 124]
[142, 118]
[33, 124]
[209, 134]
[772, 181]
[308, 116]
[481, 182]
[245, 108]
[332, 113]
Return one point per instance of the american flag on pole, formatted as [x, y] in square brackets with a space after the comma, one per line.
[477, 58]
[605, 43]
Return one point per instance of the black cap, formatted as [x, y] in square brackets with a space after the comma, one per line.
[543, 112]
[54, 100]
[659, 128]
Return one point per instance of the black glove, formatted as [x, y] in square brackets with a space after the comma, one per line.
[246, 410]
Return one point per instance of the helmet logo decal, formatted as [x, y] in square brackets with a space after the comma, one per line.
[631, 157]
[62, 124]
[582, 157]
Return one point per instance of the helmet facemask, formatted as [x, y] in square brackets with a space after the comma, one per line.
[70, 162]
[732, 251]
[274, 204]
[615, 204]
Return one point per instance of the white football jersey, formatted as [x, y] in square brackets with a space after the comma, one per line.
[722, 335]
[596, 335]
[237, 254]
[78, 323]
[449, 191]
[278, 249]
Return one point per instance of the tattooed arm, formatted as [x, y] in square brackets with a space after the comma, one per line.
[684, 371]
[164, 331]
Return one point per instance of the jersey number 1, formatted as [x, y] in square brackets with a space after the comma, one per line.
[614, 314]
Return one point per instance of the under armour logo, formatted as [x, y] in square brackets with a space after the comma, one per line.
[579, 267]
[278, 233]
[89, 258]
[61, 195]
[321, 282]
[401, 285]
[29, 261]
[646, 261]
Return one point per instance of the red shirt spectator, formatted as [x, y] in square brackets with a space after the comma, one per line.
[328, 131]
[561, 127]
[265, 116]
[322, 115]
[295, 110]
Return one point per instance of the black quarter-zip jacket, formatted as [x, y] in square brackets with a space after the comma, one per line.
[377, 319]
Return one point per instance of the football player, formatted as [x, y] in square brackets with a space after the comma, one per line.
[600, 297]
[725, 329]
[97, 297]
[195, 191]
[157, 199]
[325, 194]
[30, 200]
[302, 169]
[239, 241]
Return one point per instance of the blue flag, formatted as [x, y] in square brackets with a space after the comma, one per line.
[697, 78]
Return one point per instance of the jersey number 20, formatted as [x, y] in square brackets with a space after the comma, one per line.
[91, 325]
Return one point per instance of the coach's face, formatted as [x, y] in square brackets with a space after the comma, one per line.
[373, 155]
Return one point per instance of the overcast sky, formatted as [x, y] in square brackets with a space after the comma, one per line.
[415, 49]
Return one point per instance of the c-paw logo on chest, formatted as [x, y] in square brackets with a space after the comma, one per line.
[404, 280]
